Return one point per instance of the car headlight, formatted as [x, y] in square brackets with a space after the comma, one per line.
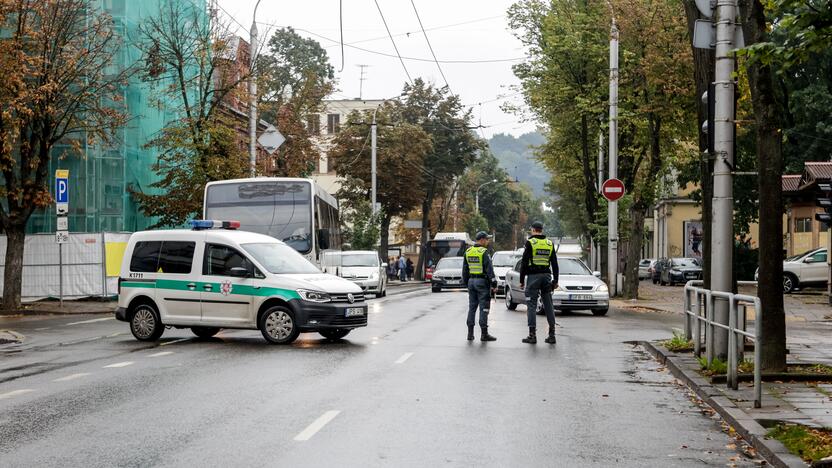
[676, 272]
[313, 296]
[374, 275]
[603, 288]
[559, 288]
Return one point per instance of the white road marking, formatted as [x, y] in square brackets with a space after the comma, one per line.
[15, 393]
[404, 358]
[175, 341]
[92, 321]
[72, 377]
[115, 334]
[119, 364]
[317, 425]
[163, 353]
[43, 328]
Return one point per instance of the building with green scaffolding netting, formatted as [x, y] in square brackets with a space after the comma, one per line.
[100, 178]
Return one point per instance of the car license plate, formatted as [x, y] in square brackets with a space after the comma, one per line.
[453, 281]
[355, 311]
[581, 297]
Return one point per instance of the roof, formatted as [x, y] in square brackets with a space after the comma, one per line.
[814, 172]
[791, 182]
[208, 235]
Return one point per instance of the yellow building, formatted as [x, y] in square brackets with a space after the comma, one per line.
[801, 232]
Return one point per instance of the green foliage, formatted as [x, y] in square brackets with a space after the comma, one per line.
[517, 156]
[361, 229]
[810, 444]
[717, 366]
[474, 223]
[678, 344]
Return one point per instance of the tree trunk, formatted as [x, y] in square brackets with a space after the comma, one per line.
[423, 238]
[13, 274]
[634, 251]
[384, 236]
[769, 165]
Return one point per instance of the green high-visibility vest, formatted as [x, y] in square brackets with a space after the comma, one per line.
[541, 251]
[474, 257]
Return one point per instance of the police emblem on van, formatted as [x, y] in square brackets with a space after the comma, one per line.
[225, 288]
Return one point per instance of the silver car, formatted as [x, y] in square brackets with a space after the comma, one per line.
[504, 261]
[362, 267]
[578, 288]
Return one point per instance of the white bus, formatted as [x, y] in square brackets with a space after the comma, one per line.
[296, 211]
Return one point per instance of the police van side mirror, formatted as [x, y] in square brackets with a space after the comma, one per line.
[323, 239]
[239, 272]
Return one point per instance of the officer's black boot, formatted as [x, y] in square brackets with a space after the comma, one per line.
[470, 333]
[532, 338]
[551, 339]
[485, 336]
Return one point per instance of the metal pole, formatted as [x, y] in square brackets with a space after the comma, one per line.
[61, 275]
[723, 197]
[477, 202]
[373, 162]
[252, 94]
[612, 214]
[758, 354]
[596, 264]
[104, 262]
[731, 378]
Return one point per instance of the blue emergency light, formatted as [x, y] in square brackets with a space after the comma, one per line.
[199, 224]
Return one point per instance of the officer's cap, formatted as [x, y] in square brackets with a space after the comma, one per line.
[537, 225]
[483, 235]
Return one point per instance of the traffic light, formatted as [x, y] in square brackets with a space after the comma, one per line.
[825, 201]
[709, 101]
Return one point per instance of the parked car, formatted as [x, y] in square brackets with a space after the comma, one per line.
[578, 288]
[447, 274]
[806, 269]
[362, 267]
[644, 268]
[504, 261]
[680, 270]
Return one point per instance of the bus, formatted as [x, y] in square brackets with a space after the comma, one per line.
[445, 244]
[294, 210]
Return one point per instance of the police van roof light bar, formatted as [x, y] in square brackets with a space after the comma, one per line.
[199, 224]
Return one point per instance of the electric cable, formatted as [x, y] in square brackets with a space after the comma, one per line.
[430, 47]
[409, 79]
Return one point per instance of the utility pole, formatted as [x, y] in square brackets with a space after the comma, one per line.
[596, 246]
[612, 213]
[361, 81]
[722, 226]
[373, 162]
[252, 94]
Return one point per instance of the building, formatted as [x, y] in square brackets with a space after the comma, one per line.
[801, 231]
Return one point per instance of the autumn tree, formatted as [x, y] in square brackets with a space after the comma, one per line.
[401, 149]
[58, 87]
[190, 58]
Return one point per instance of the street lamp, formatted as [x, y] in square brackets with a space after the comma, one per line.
[373, 170]
[494, 181]
[252, 94]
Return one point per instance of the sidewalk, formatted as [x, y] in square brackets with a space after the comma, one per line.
[53, 307]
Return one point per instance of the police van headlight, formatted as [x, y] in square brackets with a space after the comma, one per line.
[374, 275]
[313, 296]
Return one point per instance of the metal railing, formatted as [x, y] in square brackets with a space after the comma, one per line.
[699, 313]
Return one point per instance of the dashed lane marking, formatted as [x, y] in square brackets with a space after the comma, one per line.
[15, 393]
[163, 353]
[72, 377]
[404, 358]
[316, 426]
[175, 341]
[92, 321]
[118, 364]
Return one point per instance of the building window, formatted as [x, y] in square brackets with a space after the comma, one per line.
[313, 124]
[333, 123]
[823, 227]
[803, 225]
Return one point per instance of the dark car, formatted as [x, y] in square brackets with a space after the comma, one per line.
[680, 270]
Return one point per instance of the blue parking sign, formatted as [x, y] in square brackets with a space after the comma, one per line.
[62, 186]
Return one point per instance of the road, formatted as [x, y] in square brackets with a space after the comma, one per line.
[408, 390]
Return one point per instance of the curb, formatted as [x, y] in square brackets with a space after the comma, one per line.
[772, 450]
[10, 337]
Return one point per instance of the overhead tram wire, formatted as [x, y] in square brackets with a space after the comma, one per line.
[435, 28]
[409, 79]
[430, 47]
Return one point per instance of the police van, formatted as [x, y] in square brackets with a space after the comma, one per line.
[214, 277]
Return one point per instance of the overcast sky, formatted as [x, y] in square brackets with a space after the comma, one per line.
[484, 36]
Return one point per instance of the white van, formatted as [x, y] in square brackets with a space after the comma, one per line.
[207, 279]
[362, 267]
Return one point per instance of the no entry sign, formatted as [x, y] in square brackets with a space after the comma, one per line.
[612, 189]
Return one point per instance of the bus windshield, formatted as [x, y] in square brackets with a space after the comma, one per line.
[279, 209]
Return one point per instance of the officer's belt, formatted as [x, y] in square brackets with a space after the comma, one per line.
[478, 276]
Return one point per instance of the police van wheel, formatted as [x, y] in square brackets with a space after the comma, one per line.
[205, 332]
[145, 323]
[333, 335]
[278, 325]
[510, 305]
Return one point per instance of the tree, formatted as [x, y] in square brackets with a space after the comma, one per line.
[361, 227]
[190, 57]
[58, 88]
[401, 149]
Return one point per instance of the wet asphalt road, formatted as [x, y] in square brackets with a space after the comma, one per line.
[408, 390]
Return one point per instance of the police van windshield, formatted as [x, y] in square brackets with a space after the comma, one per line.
[280, 258]
[572, 266]
[359, 260]
[282, 210]
[504, 259]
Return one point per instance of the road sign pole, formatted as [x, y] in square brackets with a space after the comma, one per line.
[612, 213]
[61, 275]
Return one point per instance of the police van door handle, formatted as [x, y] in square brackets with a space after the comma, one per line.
[208, 287]
[191, 286]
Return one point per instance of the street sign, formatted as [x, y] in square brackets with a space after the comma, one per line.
[612, 189]
[61, 237]
[62, 191]
[63, 223]
[704, 35]
[271, 139]
[706, 7]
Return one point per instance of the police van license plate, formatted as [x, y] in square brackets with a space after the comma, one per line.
[580, 297]
[355, 311]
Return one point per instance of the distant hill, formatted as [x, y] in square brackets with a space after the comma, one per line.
[516, 155]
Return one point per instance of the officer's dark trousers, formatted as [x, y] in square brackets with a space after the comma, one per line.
[479, 295]
[539, 286]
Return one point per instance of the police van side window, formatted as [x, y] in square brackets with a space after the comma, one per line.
[145, 256]
[220, 259]
[176, 257]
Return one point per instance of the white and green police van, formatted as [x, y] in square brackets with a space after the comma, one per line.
[214, 277]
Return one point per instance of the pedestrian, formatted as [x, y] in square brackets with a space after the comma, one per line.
[391, 268]
[409, 266]
[478, 274]
[540, 267]
[402, 269]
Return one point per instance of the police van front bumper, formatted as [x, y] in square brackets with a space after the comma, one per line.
[313, 316]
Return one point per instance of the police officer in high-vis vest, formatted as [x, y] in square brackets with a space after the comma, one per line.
[478, 274]
[539, 276]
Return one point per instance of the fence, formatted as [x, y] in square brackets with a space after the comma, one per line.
[700, 310]
[86, 266]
